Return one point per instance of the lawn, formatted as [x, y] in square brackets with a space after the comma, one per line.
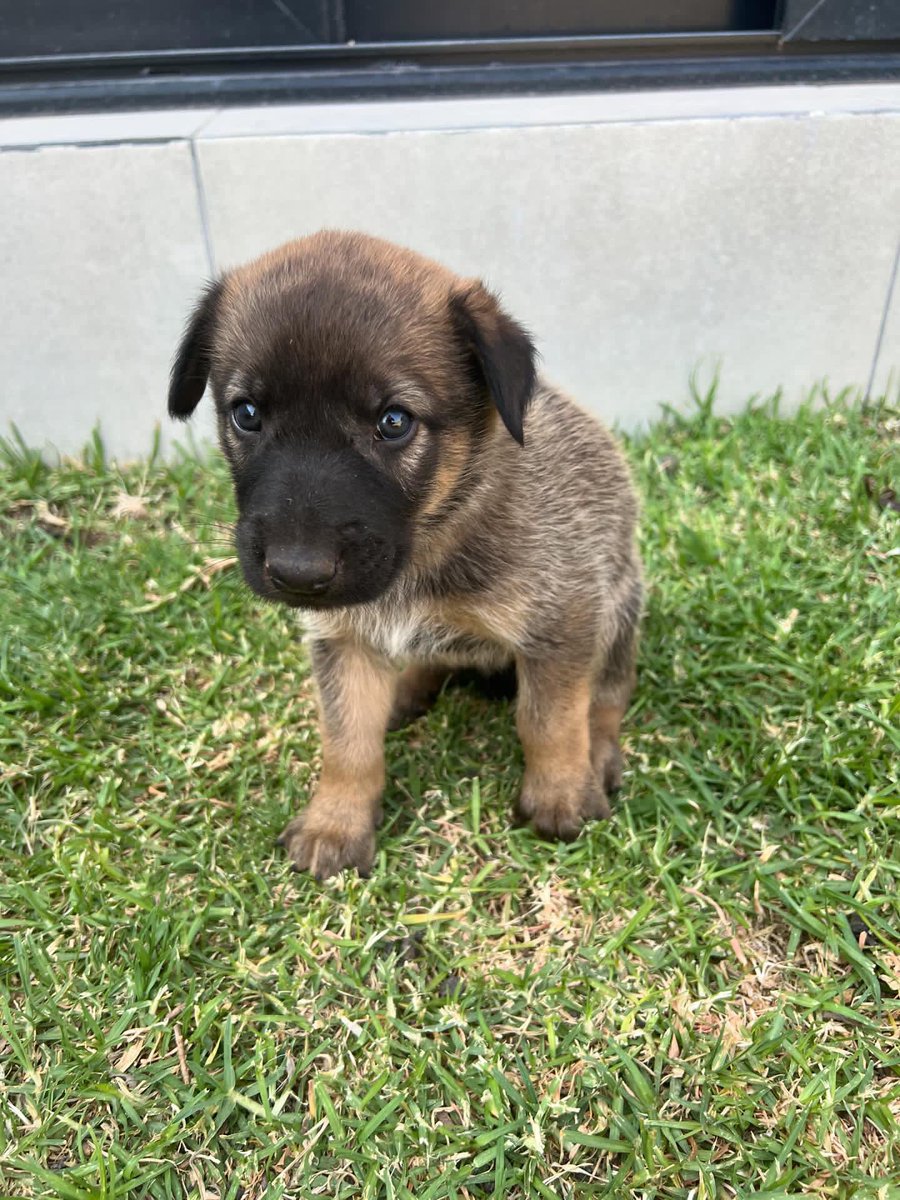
[699, 998]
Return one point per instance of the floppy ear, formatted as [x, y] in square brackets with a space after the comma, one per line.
[503, 351]
[190, 370]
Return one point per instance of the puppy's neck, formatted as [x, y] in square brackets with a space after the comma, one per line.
[484, 487]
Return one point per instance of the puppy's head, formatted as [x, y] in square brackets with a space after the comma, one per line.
[354, 383]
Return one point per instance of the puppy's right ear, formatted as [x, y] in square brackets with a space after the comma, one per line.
[190, 370]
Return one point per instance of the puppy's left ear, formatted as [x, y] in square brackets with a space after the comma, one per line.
[502, 350]
[190, 370]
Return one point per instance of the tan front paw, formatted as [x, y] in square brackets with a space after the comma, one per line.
[558, 809]
[324, 845]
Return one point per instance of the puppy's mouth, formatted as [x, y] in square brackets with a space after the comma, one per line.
[298, 578]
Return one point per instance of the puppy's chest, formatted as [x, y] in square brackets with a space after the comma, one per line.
[426, 633]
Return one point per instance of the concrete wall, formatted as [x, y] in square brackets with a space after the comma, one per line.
[639, 236]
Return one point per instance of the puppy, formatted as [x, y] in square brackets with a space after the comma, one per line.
[406, 480]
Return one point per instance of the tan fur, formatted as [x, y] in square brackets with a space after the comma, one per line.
[456, 453]
[499, 617]
[337, 829]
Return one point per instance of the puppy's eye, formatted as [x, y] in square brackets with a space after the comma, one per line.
[246, 417]
[395, 425]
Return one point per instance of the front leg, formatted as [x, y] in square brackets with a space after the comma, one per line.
[560, 790]
[337, 828]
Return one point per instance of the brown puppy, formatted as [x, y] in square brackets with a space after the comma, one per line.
[404, 478]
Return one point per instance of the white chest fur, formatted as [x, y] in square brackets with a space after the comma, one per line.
[404, 633]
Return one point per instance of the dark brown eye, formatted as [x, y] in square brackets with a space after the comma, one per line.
[395, 425]
[246, 417]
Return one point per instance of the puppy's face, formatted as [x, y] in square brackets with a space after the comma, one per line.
[353, 382]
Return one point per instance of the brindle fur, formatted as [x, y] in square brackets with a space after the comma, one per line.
[509, 519]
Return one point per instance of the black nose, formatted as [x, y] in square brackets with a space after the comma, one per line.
[300, 572]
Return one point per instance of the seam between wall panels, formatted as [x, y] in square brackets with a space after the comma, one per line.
[879, 341]
[202, 208]
[207, 119]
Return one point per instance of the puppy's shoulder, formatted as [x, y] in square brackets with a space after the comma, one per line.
[550, 403]
[562, 435]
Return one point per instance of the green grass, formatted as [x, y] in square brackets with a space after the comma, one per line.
[676, 1005]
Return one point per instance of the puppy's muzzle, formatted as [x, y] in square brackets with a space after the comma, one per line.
[300, 574]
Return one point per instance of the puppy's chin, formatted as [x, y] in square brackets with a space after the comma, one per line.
[339, 597]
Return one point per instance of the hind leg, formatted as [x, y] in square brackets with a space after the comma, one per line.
[606, 757]
[417, 690]
[612, 690]
[559, 790]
